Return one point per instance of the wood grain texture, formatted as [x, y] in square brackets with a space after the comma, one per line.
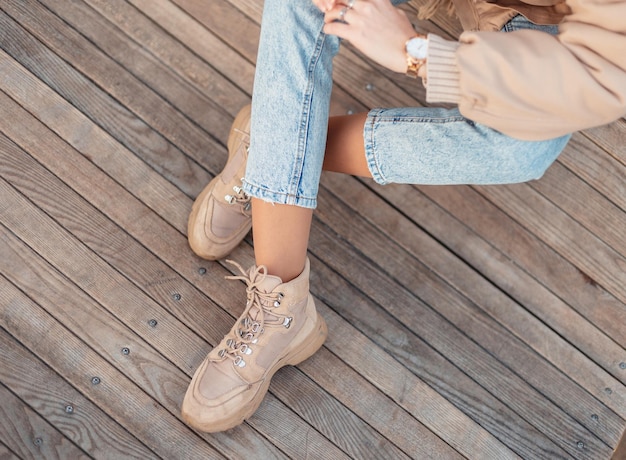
[49, 395]
[25, 431]
[115, 392]
[465, 322]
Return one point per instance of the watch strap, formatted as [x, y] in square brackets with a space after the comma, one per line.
[414, 64]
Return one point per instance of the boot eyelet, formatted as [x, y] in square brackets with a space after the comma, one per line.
[287, 322]
[221, 353]
[239, 362]
[229, 199]
[245, 349]
[277, 303]
[230, 343]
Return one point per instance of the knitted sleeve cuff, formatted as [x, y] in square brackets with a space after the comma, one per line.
[442, 73]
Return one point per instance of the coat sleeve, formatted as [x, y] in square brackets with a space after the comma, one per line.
[532, 85]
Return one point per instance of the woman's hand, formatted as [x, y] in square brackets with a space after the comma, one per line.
[375, 27]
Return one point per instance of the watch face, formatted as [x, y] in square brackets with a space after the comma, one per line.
[417, 47]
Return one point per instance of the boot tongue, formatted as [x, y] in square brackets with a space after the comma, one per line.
[267, 285]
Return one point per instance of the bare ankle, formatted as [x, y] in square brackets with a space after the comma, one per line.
[286, 270]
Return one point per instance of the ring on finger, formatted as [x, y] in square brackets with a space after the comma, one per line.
[342, 13]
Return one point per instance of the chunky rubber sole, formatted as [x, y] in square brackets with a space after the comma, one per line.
[313, 341]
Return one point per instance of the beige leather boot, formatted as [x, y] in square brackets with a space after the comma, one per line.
[278, 327]
[220, 217]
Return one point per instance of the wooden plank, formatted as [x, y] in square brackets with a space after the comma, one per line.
[49, 394]
[611, 138]
[161, 62]
[127, 89]
[605, 170]
[135, 134]
[94, 143]
[534, 258]
[505, 379]
[429, 365]
[550, 269]
[498, 231]
[585, 205]
[372, 405]
[423, 248]
[6, 454]
[231, 25]
[23, 429]
[114, 393]
[200, 40]
[566, 236]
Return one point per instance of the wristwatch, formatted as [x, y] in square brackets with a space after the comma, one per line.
[416, 53]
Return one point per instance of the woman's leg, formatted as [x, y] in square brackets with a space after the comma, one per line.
[290, 109]
[281, 231]
[281, 235]
[345, 147]
[279, 325]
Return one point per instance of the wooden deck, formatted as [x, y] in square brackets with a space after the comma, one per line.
[465, 322]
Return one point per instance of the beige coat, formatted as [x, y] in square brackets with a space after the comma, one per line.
[531, 85]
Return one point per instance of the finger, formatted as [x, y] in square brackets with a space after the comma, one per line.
[325, 5]
[337, 13]
[340, 29]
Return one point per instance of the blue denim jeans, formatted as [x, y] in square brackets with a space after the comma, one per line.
[416, 145]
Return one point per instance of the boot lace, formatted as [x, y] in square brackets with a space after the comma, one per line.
[260, 312]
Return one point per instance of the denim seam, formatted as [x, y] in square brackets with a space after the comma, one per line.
[370, 147]
[303, 132]
[265, 194]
